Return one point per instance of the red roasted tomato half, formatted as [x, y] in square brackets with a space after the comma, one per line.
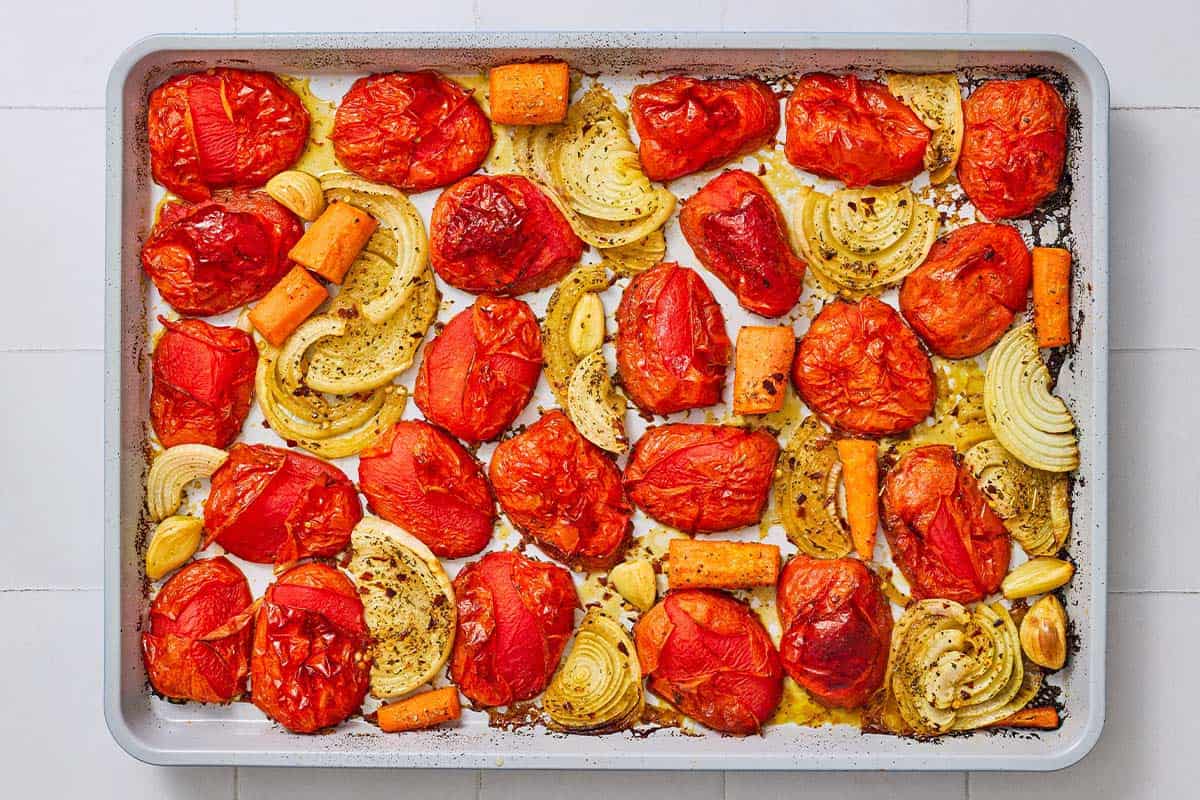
[500, 234]
[944, 537]
[223, 128]
[853, 130]
[1014, 146]
[672, 349]
[863, 371]
[702, 478]
[198, 644]
[563, 492]
[478, 374]
[420, 478]
[268, 505]
[412, 130]
[687, 124]
[738, 232]
[709, 656]
[311, 664]
[515, 615]
[203, 383]
[220, 254]
[837, 628]
[964, 296]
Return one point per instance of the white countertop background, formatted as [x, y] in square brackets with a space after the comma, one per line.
[55, 57]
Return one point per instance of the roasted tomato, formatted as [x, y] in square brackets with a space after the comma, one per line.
[203, 383]
[687, 124]
[702, 478]
[563, 492]
[1014, 146]
[963, 297]
[268, 505]
[855, 131]
[863, 371]
[500, 234]
[709, 656]
[515, 615]
[198, 645]
[420, 478]
[738, 232]
[222, 128]
[837, 628]
[311, 664]
[944, 537]
[478, 374]
[215, 256]
[672, 349]
[413, 130]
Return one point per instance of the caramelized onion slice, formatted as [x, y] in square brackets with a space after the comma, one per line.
[595, 406]
[1034, 504]
[808, 492]
[598, 688]
[560, 358]
[937, 100]
[173, 469]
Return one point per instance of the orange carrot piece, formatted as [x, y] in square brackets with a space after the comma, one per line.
[529, 94]
[420, 711]
[290, 302]
[860, 474]
[761, 366]
[1052, 296]
[721, 564]
[334, 240]
[1042, 718]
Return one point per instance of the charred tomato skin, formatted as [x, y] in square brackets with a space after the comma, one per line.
[203, 383]
[515, 615]
[412, 130]
[853, 130]
[702, 478]
[1014, 146]
[863, 371]
[500, 234]
[222, 253]
[269, 505]
[687, 124]
[736, 229]
[672, 349]
[964, 296]
[944, 537]
[198, 643]
[837, 628]
[708, 655]
[223, 128]
[420, 478]
[311, 663]
[478, 374]
[563, 492]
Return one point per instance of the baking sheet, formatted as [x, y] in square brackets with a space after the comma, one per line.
[163, 732]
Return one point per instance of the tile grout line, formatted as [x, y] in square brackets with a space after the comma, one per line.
[966, 786]
[30, 350]
[236, 778]
[966, 16]
[48, 589]
[478, 772]
[50, 108]
[236, 14]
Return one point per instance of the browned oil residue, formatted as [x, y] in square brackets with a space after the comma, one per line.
[518, 716]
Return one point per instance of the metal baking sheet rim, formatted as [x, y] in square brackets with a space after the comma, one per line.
[184, 744]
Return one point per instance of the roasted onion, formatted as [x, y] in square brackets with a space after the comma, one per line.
[559, 356]
[937, 100]
[1033, 503]
[808, 492]
[173, 469]
[635, 257]
[598, 687]
[596, 408]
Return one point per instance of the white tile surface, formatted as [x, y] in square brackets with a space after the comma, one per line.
[53, 240]
[846, 786]
[59, 54]
[1148, 748]
[1153, 472]
[619, 15]
[54, 740]
[1155, 214]
[1150, 62]
[51, 478]
[845, 15]
[364, 784]
[577, 785]
[353, 15]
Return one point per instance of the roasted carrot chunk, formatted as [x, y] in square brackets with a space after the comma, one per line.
[420, 711]
[860, 474]
[331, 244]
[529, 94]
[1052, 296]
[761, 364]
[290, 302]
[721, 564]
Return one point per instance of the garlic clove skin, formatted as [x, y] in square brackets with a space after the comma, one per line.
[1044, 633]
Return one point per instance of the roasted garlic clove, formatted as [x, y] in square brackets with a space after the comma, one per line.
[1044, 633]
[635, 581]
[1036, 576]
[175, 540]
[585, 332]
[298, 192]
[173, 469]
